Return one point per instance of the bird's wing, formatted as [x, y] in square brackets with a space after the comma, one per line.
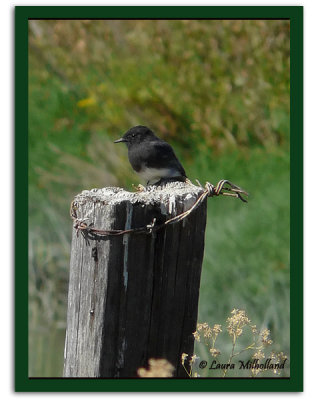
[164, 155]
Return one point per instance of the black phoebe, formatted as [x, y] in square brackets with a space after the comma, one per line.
[152, 158]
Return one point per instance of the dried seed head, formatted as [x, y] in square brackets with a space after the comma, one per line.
[183, 357]
[236, 322]
[160, 368]
[259, 355]
[215, 352]
[265, 337]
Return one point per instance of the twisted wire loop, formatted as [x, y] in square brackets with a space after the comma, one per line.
[223, 187]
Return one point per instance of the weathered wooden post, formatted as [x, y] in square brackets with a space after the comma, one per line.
[133, 297]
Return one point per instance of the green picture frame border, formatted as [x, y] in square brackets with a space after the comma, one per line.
[25, 384]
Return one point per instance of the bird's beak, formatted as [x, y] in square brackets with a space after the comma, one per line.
[120, 140]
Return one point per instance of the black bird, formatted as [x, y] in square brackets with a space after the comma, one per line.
[152, 158]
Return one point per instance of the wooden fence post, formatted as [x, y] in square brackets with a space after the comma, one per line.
[134, 297]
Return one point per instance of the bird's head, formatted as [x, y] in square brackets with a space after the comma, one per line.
[136, 135]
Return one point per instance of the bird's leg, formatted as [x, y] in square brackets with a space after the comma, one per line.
[161, 182]
[158, 183]
[164, 181]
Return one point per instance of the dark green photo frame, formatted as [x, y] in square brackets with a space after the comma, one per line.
[25, 384]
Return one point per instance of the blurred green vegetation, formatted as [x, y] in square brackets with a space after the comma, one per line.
[218, 91]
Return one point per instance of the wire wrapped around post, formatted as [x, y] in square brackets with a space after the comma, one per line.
[223, 187]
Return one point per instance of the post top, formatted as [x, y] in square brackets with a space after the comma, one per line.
[152, 195]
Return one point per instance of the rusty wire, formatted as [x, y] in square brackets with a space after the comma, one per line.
[209, 191]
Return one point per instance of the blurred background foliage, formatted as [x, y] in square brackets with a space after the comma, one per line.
[218, 91]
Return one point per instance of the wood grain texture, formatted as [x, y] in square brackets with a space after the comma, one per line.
[134, 297]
